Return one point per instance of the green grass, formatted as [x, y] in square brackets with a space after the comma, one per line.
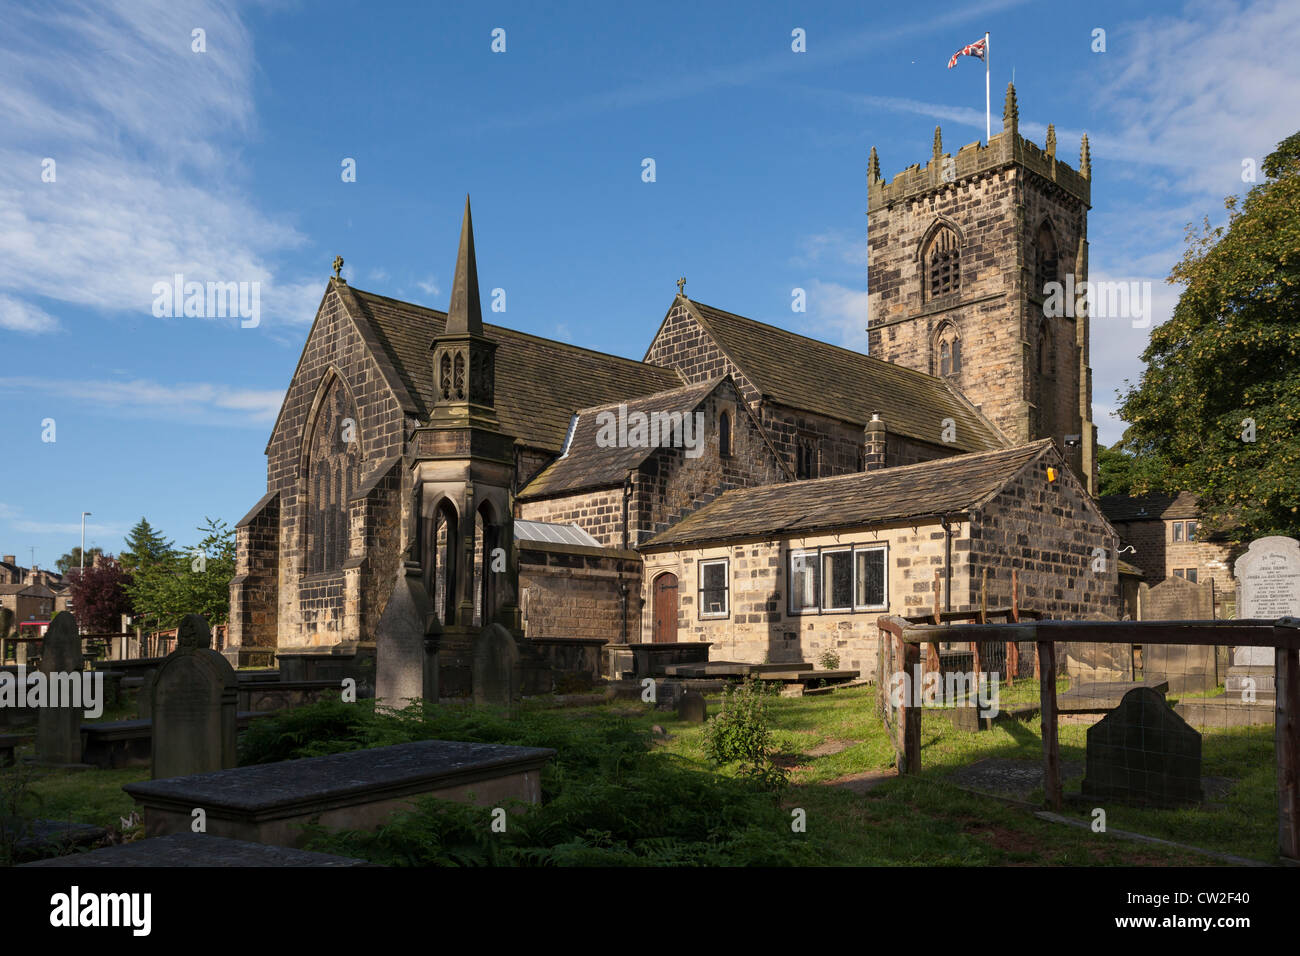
[619, 795]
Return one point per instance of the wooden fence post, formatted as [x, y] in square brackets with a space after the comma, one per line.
[911, 712]
[933, 663]
[1287, 741]
[1047, 708]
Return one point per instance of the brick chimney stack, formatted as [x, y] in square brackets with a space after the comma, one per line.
[873, 458]
[10, 559]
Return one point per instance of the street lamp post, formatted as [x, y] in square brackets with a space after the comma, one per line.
[83, 542]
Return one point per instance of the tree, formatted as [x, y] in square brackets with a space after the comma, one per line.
[1122, 472]
[144, 545]
[192, 581]
[72, 560]
[1217, 407]
[99, 596]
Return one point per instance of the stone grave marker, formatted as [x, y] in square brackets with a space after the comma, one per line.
[1143, 753]
[406, 643]
[497, 671]
[1268, 587]
[693, 707]
[194, 694]
[58, 729]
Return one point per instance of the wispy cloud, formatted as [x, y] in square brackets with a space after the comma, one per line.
[145, 183]
[19, 316]
[218, 404]
[667, 86]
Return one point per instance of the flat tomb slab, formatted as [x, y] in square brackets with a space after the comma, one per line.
[196, 849]
[1102, 696]
[360, 790]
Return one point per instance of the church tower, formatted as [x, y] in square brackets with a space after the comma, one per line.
[962, 255]
[462, 482]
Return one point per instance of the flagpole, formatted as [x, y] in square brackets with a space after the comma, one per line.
[988, 123]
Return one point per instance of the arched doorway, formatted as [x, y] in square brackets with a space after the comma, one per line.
[665, 608]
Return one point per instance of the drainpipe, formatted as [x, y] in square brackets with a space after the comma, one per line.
[947, 562]
[622, 585]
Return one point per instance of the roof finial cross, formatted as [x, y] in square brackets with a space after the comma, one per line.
[681, 286]
[338, 266]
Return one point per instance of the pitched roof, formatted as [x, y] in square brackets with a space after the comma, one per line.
[38, 590]
[819, 377]
[589, 463]
[943, 486]
[1152, 507]
[539, 382]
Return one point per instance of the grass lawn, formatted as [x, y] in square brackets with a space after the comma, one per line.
[923, 819]
[927, 819]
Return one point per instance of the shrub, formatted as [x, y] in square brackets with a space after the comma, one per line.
[741, 732]
[829, 660]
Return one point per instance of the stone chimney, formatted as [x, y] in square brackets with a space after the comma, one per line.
[10, 559]
[873, 458]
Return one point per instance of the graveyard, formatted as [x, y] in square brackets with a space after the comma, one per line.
[607, 778]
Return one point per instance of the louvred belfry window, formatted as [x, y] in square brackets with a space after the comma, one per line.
[942, 265]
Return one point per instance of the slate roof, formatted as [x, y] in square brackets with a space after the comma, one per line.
[589, 465]
[37, 590]
[1152, 507]
[539, 382]
[944, 486]
[819, 377]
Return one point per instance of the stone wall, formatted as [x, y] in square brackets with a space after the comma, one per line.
[253, 600]
[314, 609]
[759, 626]
[1158, 555]
[670, 485]
[1047, 532]
[598, 512]
[571, 591]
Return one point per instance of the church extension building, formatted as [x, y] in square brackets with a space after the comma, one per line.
[741, 484]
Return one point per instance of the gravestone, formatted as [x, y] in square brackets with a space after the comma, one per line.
[58, 729]
[693, 707]
[406, 642]
[1268, 587]
[194, 694]
[497, 672]
[1142, 753]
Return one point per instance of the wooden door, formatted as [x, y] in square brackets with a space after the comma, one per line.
[665, 598]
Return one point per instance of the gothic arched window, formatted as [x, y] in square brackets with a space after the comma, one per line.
[1046, 263]
[333, 472]
[948, 351]
[942, 264]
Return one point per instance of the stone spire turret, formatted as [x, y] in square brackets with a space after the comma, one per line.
[938, 142]
[1010, 111]
[873, 167]
[1051, 140]
[465, 315]
[1085, 158]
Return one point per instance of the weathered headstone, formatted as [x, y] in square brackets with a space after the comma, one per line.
[1268, 587]
[406, 643]
[58, 729]
[194, 694]
[497, 671]
[693, 707]
[1143, 753]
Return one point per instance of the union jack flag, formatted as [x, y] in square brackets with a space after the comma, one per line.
[971, 49]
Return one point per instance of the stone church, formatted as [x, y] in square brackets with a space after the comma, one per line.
[741, 484]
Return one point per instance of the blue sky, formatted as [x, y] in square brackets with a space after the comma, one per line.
[225, 165]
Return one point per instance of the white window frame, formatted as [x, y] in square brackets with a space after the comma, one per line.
[705, 615]
[857, 598]
[815, 553]
[825, 580]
